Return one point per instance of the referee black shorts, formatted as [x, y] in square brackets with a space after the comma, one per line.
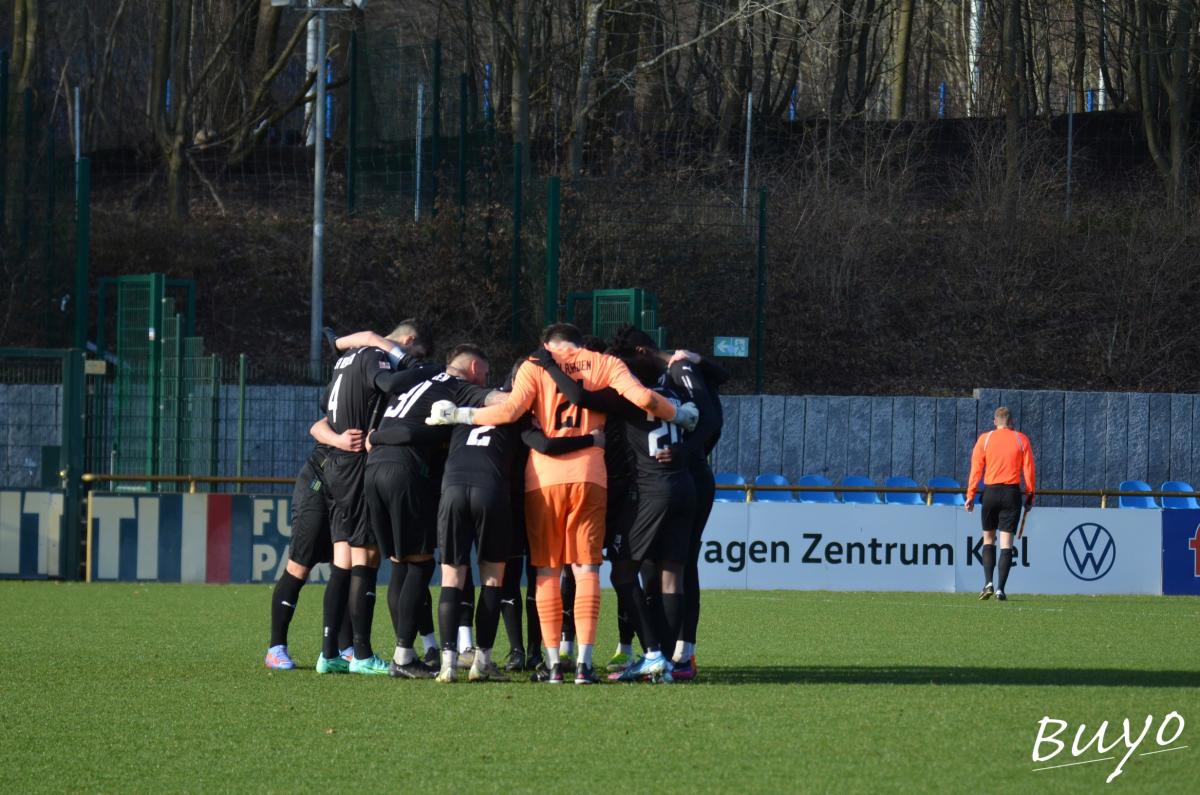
[478, 515]
[311, 543]
[1001, 507]
[402, 502]
[343, 477]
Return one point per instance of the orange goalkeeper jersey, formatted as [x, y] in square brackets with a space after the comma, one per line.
[534, 389]
[1002, 456]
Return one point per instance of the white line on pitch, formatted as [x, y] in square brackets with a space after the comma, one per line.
[1163, 751]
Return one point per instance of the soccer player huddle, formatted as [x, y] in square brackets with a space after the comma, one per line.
[591, 446]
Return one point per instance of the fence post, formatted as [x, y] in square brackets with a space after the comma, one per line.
[462, 142]
[215, 413]
[514, 272]
[352, 131]
[435, 154]
[72, 461]
[49, 269]
[3, 138]
[83, 235]
[761, 298]
[241, 421]
[552, 210]
[26, 169]
[155, 367]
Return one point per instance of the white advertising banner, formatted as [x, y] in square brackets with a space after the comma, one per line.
[1074, 551]
[767, 545]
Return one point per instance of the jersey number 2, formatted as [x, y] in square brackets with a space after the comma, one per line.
[479, 436]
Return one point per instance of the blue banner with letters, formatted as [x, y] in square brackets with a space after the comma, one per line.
[1181, 552]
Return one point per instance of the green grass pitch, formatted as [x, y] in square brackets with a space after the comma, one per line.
[161, 688]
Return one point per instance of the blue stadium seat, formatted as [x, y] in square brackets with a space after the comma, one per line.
[1136, 501]
[772, 496]
[1178, 502]
[947, 499]
[729, 495]
[815, 496]
[860, 497]
[902, 498]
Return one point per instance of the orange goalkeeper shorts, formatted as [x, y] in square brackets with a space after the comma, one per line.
[565, 524]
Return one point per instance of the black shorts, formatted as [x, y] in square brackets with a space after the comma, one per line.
[311, 543]
[402, 502]
[518, 542]
[660, 528]
[477, 515]
[343, 476]
[1001, 508]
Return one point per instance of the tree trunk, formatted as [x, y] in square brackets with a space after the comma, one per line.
[900, 66]
[583, 86]
[519, 108]
[1079, 58]
[1012, 108]
[841, 71]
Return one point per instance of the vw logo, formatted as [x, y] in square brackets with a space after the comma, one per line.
[1089, 551]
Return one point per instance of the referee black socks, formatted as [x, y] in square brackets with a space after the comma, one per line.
[487, 616]
[989, 563]
[1006, 558]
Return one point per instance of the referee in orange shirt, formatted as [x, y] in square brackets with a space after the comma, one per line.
[1000, 459]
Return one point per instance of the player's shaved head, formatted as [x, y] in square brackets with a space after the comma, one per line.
[562, 332]
[1003, 417]
[415, 334]
[469, 362]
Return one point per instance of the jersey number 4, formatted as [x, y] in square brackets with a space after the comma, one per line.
[333, 397]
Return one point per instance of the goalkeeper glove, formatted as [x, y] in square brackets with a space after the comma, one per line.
[686, 416]
[444, 412]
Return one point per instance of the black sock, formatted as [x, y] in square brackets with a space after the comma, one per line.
[346, 633]
[449, 605]
[337, 592]
[567, 589]
[425, 614]
[646, 623]
[989, 562]
[283, 607]
[416, 589]
[534, 643]
[466, 612]
[1006, 556]
[655, 620]
[510, 604]
[487, 616]
[362, 608]
[627, 595]
[691, 595]
[624, 615]
[395, 587]
[673, 618]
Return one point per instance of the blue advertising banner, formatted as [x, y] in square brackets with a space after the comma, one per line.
[1181, 552]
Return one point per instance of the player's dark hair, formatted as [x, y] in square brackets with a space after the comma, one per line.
[593, 343]
[645, 368]
[468, 349]
[629, 338]
[420, 329]
[562, 332]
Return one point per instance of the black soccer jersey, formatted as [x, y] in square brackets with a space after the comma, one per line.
[410, 409]
[693, 383]
[351, 397]
[482, 455]
[645, 436]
